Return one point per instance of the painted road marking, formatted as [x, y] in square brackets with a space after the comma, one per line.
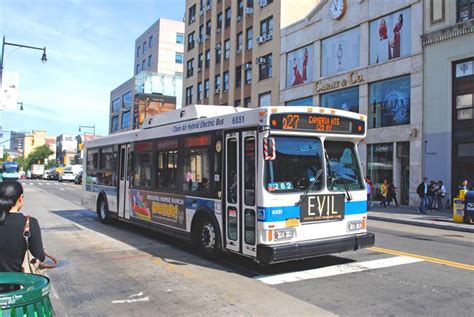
[40, 183]
[31, 184]
[425, 258]
[336, 270]
[62, 188]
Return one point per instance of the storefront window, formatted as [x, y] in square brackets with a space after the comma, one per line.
[389, 103]
[346, 99]
[308, 101]
[379, 165]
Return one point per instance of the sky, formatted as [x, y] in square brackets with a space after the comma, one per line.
[90, 50]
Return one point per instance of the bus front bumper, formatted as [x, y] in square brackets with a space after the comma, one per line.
[307, 249]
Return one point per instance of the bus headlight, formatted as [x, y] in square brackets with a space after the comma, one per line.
[284, 234]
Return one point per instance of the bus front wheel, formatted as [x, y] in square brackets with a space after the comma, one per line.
[103, 210]
[206, 237]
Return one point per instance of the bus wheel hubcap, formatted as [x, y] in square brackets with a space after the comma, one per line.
[208, 236]
[102, 210]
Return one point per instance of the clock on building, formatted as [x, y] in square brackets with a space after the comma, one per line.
[337, 8]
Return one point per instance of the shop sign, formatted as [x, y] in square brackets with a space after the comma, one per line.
[353, 78]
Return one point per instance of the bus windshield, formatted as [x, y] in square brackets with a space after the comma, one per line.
[295, 166]
[10, 168]
[342, 166]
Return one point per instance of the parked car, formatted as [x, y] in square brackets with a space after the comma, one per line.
[67, 174]
[50, 174]
[78, 179]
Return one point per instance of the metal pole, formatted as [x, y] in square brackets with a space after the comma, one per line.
[1, 62]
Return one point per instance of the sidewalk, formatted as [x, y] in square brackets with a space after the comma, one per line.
[410, 215]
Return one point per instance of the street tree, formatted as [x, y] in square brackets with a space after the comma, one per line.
[38, 156]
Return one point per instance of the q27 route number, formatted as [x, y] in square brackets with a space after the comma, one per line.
[291, 121]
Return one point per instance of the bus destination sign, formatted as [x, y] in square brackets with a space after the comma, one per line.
[317, 122]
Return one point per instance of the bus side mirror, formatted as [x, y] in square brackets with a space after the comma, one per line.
[269, 151]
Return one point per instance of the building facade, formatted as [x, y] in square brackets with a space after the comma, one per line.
[232, 50]
[158, 69]
[17, 140]
[365, 57]
[36, 139]
[66, 146]
[448, 129]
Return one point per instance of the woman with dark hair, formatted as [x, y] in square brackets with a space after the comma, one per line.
[12, 224]
[397, 37]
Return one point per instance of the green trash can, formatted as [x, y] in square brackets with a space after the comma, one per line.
[31, 298]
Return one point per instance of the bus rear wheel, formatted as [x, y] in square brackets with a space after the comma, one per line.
[206, 237]
[103, 210]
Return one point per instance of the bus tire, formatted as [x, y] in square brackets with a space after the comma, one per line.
[103, 210]
[468, 219]
[206, 236]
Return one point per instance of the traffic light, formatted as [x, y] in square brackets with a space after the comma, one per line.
[32, 141]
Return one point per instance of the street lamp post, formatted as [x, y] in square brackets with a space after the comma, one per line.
[87, 127]
[43, 58]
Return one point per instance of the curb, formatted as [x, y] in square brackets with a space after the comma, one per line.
[422, 224]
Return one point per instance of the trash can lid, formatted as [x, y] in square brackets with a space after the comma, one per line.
[34, 288]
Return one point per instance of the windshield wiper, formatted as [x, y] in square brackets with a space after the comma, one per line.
[318, 174]
[338, 176]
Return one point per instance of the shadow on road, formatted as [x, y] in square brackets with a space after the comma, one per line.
[131, 235]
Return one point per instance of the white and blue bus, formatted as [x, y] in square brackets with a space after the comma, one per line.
[273, 184]
[10, 170]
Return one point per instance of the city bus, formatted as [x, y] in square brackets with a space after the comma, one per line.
[273, 184]
[10, 170]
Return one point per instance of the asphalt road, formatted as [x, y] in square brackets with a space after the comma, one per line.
[121, 270]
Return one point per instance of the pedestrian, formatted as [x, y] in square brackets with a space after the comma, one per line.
[384, 193]
[392, 193]
[422, 191]
[464, 185]
[12, 223]
[441, 195]
[431, 195]
[368, 183]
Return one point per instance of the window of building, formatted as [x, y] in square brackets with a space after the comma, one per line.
[196, 163]
[208, 59]
[240, 10]
[208, 27]
[126, 119]
[115, 123]
[464, 106]
[218, 53]
[219, 23]
[238, 76]
[189, 95]
[389, 103]
[265, 99]
[143, 164]
[217, 83]
[149, 61]
[265, 67]
[249, 44]
[237, 103]
[143, 64]
[179, 38]
[206, 88]
[190, 41]
[179, 58]
[192, 14]
[201, 32]
[227, 49]
[127, 100]
[240, 42]
[299, 66]
[144, 47]
[465, 10]
[248, 76]
[200, 60]
[379, 166]
[250, 3]
[266, 27]
[167, 164]
[226, 81]
[116, 106]
[199, 92]
[138, 51]
[437, 11]
[247, 102]
[190, 68]
[137, 69]
[150, 39]
[228, 16]
[345, 99]
[308, 101]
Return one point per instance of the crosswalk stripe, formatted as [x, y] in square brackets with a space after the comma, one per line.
[31, 184]
[62, 188]
[336, 270]
[40, 183]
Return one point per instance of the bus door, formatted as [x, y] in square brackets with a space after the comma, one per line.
[124, 182]
[240, 204]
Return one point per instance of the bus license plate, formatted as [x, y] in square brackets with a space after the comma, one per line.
[322, 207]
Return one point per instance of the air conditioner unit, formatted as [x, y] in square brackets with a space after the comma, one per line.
[201, 12]
[199, 69]
[268, 37]
[239, 18]
[199, 39]
[262, 3]
[239, 51]
[248, 11]
[208, 8]
[247, 66]
[217, 91]
[260, 39]
[218, 30]
[193, 18]
[260, 60]
[205, 37]
[218, 46]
